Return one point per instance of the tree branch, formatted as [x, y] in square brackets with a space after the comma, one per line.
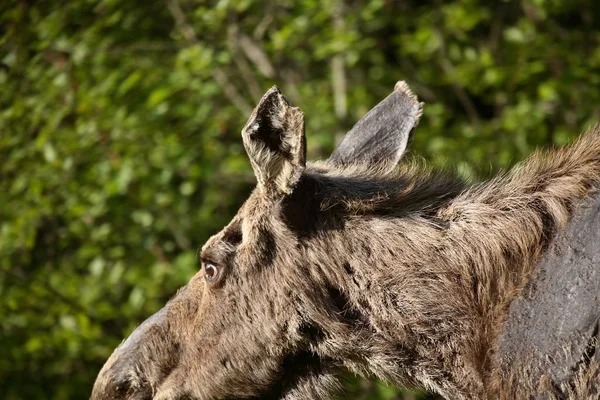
[338, 72]
[257, 55]
[261, 61]
[460, 93]
[241, 63]
[187, 31]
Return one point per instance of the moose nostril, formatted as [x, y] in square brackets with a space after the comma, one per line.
[112, 389]
[121, 388]
[124, 390]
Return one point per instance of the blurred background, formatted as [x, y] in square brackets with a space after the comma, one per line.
[120, 148]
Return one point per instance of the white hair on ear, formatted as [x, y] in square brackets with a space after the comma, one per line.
[275, 143]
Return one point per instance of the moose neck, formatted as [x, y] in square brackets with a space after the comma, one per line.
[425, 292]
[403, 289]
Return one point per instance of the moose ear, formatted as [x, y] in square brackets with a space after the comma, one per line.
[274, 140]
[383, 134]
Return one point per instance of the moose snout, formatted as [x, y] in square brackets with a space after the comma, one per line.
[140, 364]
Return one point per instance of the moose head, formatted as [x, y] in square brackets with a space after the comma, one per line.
[350, 264]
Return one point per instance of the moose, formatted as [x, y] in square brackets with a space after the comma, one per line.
[397, 272]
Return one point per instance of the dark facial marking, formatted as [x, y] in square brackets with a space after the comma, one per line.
[302, 210]
[348, 268]
[343, 307]
[267, 249]
[312, 332]
[233, 235]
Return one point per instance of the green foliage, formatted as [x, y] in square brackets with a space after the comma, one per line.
[119, 136]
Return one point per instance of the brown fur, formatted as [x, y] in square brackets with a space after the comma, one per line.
[404, 276]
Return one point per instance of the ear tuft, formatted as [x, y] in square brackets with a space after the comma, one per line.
[382, 136]
[403, 89]
[274, 140]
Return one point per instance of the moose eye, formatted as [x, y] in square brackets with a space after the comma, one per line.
[211, 272]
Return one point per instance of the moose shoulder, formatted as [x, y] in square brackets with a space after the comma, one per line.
[400, 273]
